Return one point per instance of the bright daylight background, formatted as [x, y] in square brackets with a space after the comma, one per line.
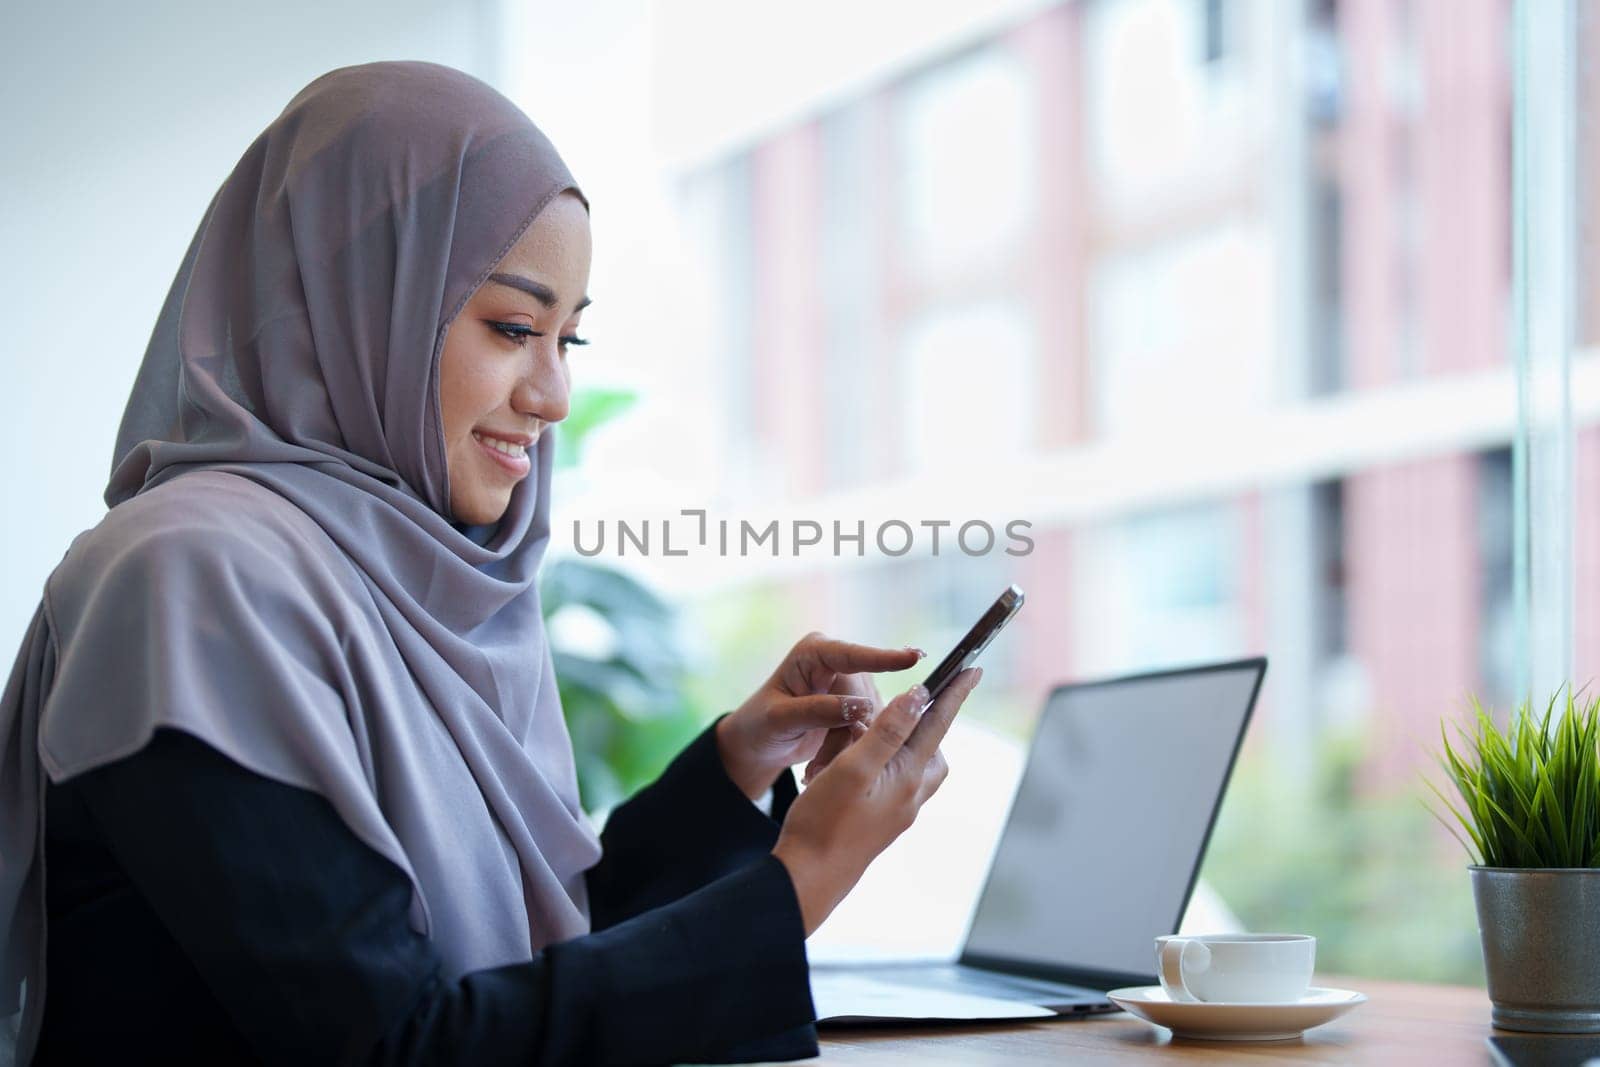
[1218, 294]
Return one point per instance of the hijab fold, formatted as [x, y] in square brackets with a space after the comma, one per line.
[279, 573]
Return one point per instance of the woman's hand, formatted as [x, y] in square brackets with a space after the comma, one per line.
[837, 739]
[867, 797]
[819, 687]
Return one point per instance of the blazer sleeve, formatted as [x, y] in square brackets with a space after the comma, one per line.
[686, 829]
[301, 933]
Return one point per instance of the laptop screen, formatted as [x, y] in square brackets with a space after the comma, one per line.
[1113, 811]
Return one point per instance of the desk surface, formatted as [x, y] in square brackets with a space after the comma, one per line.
[1400, 1023]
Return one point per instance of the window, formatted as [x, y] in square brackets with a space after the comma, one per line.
[1498, 622]
[1213, 30]
[1159, 589]
[966, 378]
[968, 169]
[1181, 331]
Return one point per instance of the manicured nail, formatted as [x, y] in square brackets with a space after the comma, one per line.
[919, 695]
[912, 648]
[855, 709]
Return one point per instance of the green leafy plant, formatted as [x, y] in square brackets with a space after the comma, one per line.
[621, 672]
[1530, 793]
[619, 664]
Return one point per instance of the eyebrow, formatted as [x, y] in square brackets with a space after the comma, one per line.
[540, 292]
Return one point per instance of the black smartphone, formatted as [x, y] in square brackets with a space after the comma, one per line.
[976, 641]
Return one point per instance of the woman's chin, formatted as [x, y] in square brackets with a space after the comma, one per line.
[480, 509]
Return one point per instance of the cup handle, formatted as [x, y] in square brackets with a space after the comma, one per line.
[1175, 952]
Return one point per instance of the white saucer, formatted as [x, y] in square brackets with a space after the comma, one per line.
[1236, 1022]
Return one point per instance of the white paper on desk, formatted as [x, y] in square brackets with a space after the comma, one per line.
[851, 996]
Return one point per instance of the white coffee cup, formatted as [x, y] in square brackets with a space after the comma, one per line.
[1236, 968]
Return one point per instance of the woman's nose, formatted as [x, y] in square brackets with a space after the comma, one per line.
[543, 391]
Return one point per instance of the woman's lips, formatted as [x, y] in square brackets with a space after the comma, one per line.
[517, 465]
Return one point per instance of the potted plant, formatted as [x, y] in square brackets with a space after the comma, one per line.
[1530, 806]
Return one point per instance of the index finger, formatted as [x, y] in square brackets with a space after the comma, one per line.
[887, 736]
[845, 657]
[935, 722]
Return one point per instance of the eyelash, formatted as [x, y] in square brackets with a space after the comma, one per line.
[519, 334]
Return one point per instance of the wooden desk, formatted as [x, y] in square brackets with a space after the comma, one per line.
[1400, 1024]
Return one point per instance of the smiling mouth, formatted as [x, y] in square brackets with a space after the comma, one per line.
[511, 456]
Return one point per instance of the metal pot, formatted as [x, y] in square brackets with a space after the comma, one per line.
[1540, 928]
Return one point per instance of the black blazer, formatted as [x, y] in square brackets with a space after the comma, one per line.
[199, 912]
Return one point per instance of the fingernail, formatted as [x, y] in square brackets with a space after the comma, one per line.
[919, 695]
[976, 678]
[918, 651]
[855, 709]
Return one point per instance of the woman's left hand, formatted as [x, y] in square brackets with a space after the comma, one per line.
[822, 689]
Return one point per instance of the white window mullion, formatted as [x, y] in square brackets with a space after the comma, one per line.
[1544, 225]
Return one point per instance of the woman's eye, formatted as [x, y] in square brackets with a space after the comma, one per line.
[519, 333]
[515, 331]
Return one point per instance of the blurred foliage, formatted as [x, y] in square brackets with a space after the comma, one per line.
[744, 631]
[1374, 877]
[587, 410]
[621, 672]
[619, 662]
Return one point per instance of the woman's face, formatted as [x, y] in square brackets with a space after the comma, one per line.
[503, 373]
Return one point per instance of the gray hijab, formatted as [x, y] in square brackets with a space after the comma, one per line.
[279, 573]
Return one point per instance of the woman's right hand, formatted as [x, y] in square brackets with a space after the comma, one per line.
[866, 797]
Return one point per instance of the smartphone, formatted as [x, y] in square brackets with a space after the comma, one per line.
[976, 641]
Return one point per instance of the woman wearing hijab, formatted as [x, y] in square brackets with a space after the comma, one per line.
[283, 770]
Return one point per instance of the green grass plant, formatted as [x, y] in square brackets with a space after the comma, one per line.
[1530, 792]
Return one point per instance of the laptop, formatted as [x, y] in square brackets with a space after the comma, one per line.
[1099, 854]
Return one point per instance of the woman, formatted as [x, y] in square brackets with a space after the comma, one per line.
[283, 772]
